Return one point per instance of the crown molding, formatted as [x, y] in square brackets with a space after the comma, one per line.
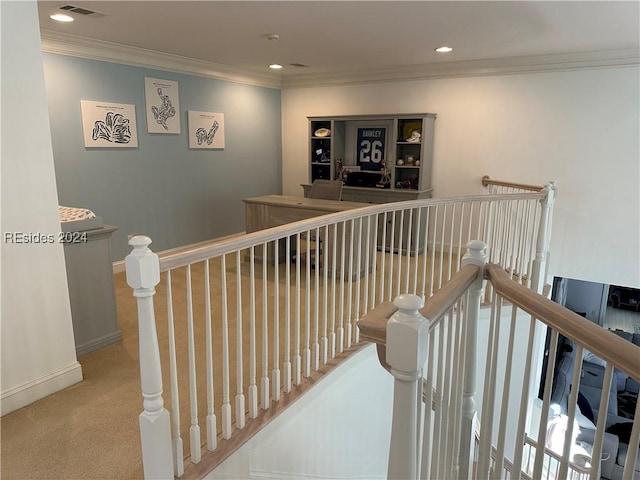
[471, 68]
[83, 47]
[76, 46]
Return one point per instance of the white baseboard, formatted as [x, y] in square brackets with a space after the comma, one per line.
[447, 247]
[97, 343]
[23, 395]
[118, 267]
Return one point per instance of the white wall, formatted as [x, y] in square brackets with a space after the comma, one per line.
[38, 353]
[340, 429]
[579, 128]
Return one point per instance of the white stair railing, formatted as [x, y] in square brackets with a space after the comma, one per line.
[245, 312]
[499, 442]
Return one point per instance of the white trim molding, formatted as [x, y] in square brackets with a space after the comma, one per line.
[471, 68]
[22, 395]
[77, 46]
[82, 47]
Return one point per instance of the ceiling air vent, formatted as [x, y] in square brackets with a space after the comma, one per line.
[81, 11]
[300, 65]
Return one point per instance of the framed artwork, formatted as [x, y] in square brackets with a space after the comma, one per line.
[206, 129]
[370, 147]
[162, 105]
[107, 124]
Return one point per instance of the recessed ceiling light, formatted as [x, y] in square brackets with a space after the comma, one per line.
[444, 49]
[61, 17]
[275, 66]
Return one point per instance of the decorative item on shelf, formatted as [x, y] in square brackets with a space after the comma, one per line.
[338, 169]
[415, 137]
[417, 163]
[321, 155]
[400, 162]
[409, 160]
[385, 177]
[322, 132]
[410, 184]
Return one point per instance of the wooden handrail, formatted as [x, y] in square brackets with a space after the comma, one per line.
[610, 347]
[486, 181]
[373, 326]
[443, 299]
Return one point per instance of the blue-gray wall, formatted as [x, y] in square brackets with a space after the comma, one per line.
[162, 189]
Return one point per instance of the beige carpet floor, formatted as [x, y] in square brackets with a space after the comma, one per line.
[90, 430]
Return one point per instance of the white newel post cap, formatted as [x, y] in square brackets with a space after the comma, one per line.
[476, 253]
[407, 335]
[143, 269]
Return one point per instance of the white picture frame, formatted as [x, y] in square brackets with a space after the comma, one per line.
[110, 125]
[162, 105]
[206, 130]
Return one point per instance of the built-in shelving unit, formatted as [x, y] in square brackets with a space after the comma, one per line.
[404, 143]
[353, 148]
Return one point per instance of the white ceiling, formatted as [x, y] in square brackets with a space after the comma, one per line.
[342, 37]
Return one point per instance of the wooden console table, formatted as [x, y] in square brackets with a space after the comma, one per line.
[274, 210]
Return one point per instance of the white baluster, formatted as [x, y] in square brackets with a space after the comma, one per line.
[425, 255]
[240, 410]
[143, 274]
[297, 364]
[264, 381]
[286, 367]
[459, 350]
[306, 351]
[370, 264]
[315, 347]
[476, 255]
[211, 422]
[460, 229]
[417, 247]
[253, 387]
[392, 236]
[383, 250]
[194, 429]
[334, 273]
[407, 285]
[340, 339]
[523, 417]
[441, 264]
[427, 439]
[226, 405]
[438, 432]
[354, 319]
[275, 373]
[325, 298]
[176, 439]
[350, 287]
[400, 248]
[504, 406]
[433, 250]
[406, 354]
[453, 216]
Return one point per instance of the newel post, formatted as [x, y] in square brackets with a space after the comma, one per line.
[406, 354]
[143, 274]
[539, 269]
[476, 255]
